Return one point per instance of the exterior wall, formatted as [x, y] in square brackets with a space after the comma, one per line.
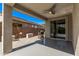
[68, 20]
[70, 27]
[76, 28]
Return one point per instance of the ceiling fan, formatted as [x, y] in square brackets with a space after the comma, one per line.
[51, 10]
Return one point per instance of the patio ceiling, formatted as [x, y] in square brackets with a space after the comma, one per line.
[61, 8]
[37, 9]
[28, 11]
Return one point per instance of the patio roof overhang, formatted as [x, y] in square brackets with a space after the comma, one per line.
[28, 11]
[24, 10]
[61, 9]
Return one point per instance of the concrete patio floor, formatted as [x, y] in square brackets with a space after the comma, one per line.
[35, 47]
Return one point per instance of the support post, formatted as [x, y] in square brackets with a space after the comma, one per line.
[7, 29]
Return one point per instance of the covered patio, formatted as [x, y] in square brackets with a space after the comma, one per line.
[68, 46]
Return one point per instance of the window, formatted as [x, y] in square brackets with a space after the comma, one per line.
[19, 25]
[24, 26]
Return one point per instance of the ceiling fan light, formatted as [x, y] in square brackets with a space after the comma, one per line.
[50, 12]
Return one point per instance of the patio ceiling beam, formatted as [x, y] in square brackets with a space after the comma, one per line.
[29, 11]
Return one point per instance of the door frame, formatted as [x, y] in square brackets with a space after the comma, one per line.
[66, 26]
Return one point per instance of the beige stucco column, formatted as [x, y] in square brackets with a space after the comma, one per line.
[76, 28]
[7, 30]
[47, 28]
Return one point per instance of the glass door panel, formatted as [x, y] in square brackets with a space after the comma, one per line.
[58, 29]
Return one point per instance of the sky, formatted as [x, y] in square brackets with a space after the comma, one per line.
[0, 7]
[27, 17]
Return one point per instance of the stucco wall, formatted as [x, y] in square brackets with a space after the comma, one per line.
[70, 27]
[76, 29]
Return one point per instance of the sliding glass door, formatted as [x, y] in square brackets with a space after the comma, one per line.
[58, 29]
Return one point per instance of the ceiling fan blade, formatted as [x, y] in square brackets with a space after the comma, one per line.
[53, 8]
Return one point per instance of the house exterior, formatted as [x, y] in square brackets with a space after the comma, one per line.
[64, 25]
[25, 27]
[21, 26]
